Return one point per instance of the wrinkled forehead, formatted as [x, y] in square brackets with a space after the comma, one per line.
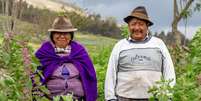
[136, 20]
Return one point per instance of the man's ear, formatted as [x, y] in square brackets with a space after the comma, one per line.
[148, 24]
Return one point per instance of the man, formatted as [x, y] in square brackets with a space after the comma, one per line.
[137, 62]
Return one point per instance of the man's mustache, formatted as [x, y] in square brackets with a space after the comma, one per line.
[137, 31]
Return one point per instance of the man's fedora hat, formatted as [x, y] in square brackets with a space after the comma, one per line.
[139, 13]
[62, 24]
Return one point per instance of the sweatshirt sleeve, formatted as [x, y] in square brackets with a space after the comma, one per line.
[168, 67]
[110, 81]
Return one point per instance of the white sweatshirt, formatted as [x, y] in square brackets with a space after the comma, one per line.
[134, 67]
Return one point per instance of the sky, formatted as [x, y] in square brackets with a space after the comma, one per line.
[159, 11]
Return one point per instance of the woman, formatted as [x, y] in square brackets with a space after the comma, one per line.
[66, 66]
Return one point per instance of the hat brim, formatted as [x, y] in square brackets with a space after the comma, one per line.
[128, 19]
[63, 30]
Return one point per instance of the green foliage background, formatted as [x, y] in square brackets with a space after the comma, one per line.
[13, 79]
[15, 84]
[188, 87]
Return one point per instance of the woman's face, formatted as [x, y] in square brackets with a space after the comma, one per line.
[61, 39]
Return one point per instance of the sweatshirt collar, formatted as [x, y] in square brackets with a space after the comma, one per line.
[146, 39]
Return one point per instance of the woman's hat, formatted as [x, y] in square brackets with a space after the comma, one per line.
[62, 24]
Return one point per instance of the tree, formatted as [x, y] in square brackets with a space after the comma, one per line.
[182, 10]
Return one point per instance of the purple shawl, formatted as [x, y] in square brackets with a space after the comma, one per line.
[79, 57]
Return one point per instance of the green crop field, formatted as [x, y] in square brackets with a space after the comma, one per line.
[1, 39]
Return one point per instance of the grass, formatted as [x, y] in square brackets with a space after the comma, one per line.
[91, 42]
[1, 39]
[22, 27]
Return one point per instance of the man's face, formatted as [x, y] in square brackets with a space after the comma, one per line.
[138, 29]
[61, 39]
